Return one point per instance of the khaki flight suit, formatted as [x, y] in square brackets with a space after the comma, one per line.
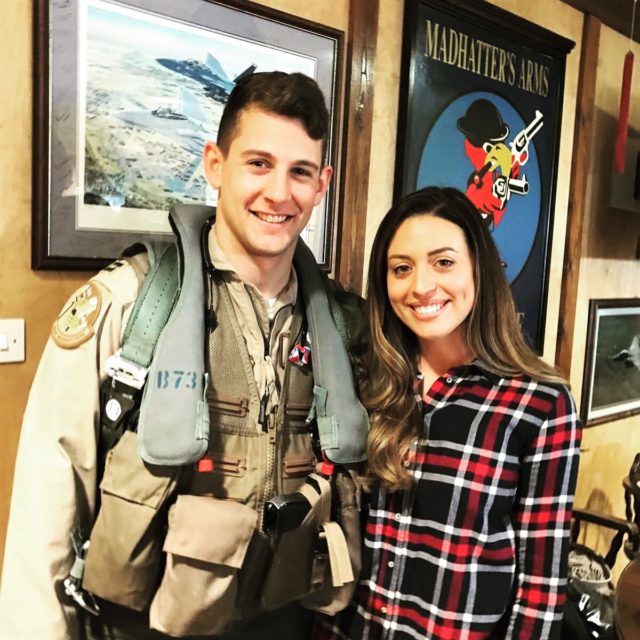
[55, 476]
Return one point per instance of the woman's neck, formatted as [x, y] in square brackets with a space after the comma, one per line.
[439, 356]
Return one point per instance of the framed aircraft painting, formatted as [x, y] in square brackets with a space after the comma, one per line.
[126, 94]
[611, 381]
[480, 110]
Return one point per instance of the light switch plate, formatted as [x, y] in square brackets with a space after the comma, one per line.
[13, 330]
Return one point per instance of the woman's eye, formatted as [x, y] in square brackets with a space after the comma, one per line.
[444, 263]
[401, 269]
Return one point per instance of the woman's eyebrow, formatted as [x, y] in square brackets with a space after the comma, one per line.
[431, 253]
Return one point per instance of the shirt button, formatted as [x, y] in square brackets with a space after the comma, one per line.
[398, 516]
[449, 380]
[391, 564]
[383, 610]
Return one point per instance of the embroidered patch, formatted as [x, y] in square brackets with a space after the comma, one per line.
[74, 325]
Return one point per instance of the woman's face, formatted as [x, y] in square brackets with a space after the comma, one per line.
[430, 278]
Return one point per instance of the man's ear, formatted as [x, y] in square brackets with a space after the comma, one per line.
[324, 179]
[213, 158]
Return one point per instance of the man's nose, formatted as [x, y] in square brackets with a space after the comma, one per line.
[278, 186]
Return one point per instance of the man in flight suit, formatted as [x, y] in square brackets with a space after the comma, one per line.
[268, 167]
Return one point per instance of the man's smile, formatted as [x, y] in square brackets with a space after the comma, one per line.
[269, 217]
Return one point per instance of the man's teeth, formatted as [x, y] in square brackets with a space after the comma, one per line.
[266, 217]
[430, 308]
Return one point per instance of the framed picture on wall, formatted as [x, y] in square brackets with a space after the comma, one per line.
[480, 110]
[127, 92]
[611, 382]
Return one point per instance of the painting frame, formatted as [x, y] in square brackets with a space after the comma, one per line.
[58, 242]
[612, 361]
[457, 56]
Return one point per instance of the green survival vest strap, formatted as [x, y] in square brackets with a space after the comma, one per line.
[343, 423]
[127, 368]
[153, 306]
[173, 426]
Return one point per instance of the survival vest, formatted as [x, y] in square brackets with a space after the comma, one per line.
[166, 334]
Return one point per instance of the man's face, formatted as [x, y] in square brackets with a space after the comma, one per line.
[269, 182]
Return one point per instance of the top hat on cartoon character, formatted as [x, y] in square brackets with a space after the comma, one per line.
[483, 123]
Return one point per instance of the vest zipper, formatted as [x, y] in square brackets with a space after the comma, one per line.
[269, 421]
[262, 416]
[268, 426]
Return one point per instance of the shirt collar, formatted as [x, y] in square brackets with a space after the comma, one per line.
[220, 262]
[218, 257]
[478, 366]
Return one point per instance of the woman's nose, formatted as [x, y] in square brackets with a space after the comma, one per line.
[424, 281]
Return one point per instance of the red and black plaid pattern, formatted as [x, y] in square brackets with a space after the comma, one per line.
[478, 547]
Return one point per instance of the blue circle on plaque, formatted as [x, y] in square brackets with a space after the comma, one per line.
[445, 163]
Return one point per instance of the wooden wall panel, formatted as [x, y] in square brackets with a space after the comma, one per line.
[361, 63]
[583, 136]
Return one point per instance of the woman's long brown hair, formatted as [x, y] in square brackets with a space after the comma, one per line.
[493, 332]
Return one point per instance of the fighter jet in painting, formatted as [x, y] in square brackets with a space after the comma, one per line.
[210, 74]
[631, 355]
[141, 156]
[185, 121]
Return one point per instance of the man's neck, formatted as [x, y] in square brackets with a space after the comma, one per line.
[268, 274]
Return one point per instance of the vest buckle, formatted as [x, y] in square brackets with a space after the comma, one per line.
[125, 371]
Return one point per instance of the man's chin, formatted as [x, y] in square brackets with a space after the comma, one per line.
[274, 250]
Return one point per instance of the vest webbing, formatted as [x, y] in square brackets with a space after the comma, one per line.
[153, 306]
[336, 405]
[250, 466]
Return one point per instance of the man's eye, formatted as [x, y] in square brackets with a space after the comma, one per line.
[305, 173]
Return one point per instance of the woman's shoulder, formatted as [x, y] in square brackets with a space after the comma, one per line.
[548, 398]
[540, 391]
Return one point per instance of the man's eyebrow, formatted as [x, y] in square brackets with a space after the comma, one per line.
[308, 163]
[269, 156]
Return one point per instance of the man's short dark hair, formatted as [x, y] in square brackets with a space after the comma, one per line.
[292, 95]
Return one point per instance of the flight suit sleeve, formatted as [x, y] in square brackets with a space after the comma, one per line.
[54, 484]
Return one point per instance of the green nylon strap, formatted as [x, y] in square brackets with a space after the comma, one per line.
[152, 308]
[327, 424]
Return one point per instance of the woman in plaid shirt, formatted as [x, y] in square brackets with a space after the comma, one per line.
[474, 443]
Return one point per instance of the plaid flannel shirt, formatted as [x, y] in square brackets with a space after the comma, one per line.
[478, 547]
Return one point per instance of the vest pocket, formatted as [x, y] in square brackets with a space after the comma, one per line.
[299, 467]
[229, 405]
[312, 559]
[125, 555]
[228, 465]
[206, 545]
[326, 596]
[297, 461]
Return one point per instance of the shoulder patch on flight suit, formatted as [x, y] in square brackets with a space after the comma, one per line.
[74, 325]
